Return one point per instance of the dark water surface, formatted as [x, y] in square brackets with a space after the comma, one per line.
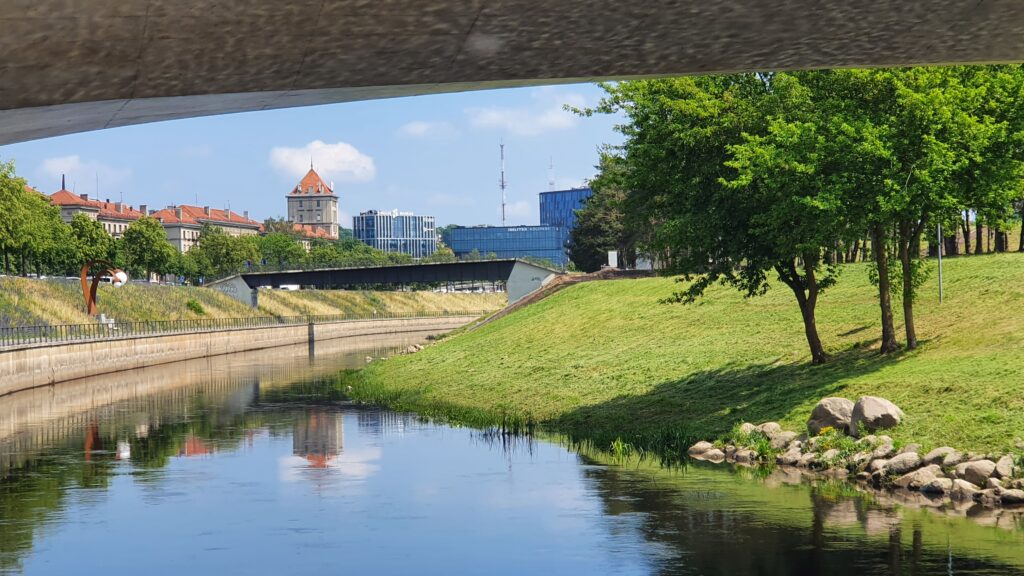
[245, 465]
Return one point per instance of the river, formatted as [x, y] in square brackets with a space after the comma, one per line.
[249, 464]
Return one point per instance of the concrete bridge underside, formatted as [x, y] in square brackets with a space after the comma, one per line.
[75, 65]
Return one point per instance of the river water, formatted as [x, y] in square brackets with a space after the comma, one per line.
[248, 464]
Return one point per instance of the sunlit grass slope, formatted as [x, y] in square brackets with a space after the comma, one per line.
[606, 360]
[25, 301]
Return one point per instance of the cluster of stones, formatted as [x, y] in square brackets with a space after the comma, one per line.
[875, 459]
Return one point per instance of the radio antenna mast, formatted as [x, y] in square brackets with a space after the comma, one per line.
[502, 183]
[551, 173]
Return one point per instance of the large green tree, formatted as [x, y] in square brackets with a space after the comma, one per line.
[601, 224]
[145, 248]
[280, 250]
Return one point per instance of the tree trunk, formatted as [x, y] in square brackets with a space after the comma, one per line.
[889, 343]
[807, 299]
[905, 242]
[977, 237]
[1020, 246]
[965, 224]
[1001, 238]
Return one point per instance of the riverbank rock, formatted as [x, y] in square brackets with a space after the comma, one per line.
[872, 413]
[937, 486]
[900, 464]
[714, 455]
[1012, 497]
[834, 412]
[978, 471]
[700, 448]
[789, 458]
[745, 456]
[769, 429]
[938, 456]
[963, 490]
[747, 428]
[918, 478]
[1005, 467]
[781, 439]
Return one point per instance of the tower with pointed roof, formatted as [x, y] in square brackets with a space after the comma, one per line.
[313, 206]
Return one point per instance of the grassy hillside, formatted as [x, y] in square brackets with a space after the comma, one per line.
[25, 301]
[604, 360]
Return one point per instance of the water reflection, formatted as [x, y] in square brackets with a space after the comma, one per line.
[252, 464]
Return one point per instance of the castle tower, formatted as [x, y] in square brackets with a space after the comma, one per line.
[313, 205]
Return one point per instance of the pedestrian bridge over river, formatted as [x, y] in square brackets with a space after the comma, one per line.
[71, 66]
[517, 277]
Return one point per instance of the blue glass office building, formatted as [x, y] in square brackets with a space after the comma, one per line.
[558, 207]
[396, 232]
[546, 242]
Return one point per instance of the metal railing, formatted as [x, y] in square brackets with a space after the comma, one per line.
[50, 334]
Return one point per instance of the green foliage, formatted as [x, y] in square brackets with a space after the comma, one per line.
[601, 223]
[145, 248]
[280, 250]
[194, 305]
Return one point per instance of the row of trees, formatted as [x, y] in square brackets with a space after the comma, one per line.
[35, 240]
[730, 178]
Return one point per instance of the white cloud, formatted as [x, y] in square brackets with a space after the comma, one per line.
[83, 173]
[341, 161]
[545, 114]
[420, 129]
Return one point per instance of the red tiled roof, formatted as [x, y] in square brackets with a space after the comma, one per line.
[196, 215]
[313, 184]
[310, 231]
[106, 208]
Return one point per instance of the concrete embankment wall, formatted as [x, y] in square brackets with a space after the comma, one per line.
[41, 364]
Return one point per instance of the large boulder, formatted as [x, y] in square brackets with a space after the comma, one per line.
[769, 429]
[834, 412]
[872, 413]
[979, 471]
[937, 486]
[1012, 497]
[963, 490]
[938, 456]
[1005, 467]
[789, 458]
[900, 464]
[713, 455]
[918, 478]
[781, 439]
[700, 448]
[747, 428]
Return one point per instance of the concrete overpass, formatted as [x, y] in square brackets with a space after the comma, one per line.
[519, 277]
[75, 65]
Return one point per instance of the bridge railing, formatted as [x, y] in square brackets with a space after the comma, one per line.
[57, 333]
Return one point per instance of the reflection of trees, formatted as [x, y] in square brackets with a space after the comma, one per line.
[717, 533]
[155, 427]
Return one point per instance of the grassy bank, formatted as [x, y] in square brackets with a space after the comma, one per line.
[605, 360]
[26, 301]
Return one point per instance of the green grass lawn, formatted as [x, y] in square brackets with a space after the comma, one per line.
[606, 360]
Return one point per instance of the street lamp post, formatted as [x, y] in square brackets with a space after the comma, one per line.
[939, 252]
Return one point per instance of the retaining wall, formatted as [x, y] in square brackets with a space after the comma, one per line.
[41, 364]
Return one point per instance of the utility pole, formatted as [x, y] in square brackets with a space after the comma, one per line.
[939, 234]
[502, 183]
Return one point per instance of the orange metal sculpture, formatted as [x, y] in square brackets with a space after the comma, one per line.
[99, 268]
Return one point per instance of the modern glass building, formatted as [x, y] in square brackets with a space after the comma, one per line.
[546, 242]
[396, 231]
[558, 207]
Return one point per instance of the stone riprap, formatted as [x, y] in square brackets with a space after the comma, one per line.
[876, 460]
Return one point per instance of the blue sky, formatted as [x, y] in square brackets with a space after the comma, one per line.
[434, 155]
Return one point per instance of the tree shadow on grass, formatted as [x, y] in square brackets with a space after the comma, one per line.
[707, 404]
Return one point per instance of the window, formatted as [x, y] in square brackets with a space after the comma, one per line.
[300, 203]
[317, 203]
[300, 217]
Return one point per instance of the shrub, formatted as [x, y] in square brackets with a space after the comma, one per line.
[195, 306]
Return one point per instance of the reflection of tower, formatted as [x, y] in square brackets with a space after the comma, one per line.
[319, 437]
